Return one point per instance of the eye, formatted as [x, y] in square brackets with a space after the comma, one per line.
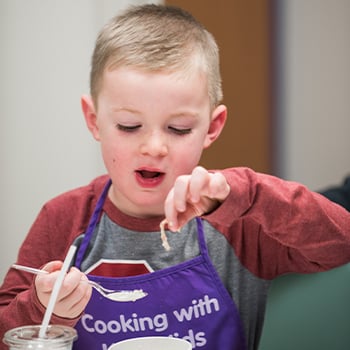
[180, 131]
[128, 128]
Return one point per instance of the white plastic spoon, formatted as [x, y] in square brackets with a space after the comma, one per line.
[115, 295]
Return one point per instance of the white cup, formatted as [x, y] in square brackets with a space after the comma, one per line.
[152, 343]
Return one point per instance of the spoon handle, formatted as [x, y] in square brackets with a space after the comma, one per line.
[29, 269]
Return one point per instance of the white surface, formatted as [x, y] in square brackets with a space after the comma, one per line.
[45, 147]
[315, 91]
[152, 343]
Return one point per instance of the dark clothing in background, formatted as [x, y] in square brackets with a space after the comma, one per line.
[339, 194]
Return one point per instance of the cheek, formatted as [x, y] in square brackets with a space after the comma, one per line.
[116, 159]
[114, 153]
[186, 158]
[191, 148]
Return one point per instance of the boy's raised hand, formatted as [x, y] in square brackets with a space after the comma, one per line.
[73, 295]
[193, 195]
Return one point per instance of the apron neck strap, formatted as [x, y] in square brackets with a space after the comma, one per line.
[92, 224]
[202, 245]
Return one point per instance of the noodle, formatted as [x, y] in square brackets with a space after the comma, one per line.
[163, 236]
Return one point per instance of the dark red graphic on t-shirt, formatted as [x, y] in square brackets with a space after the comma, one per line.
[119, 268]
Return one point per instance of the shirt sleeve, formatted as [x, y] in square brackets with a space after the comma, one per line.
[277, 226]
[19, 304]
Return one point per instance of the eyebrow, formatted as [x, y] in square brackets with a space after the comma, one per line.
[185, 114]
[125, 109]
[171, 115]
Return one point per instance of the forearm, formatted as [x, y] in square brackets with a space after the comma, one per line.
[21, 309]
[302, 222]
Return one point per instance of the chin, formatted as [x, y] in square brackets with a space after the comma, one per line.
[147, 210]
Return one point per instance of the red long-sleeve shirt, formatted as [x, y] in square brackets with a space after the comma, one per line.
[266, 227]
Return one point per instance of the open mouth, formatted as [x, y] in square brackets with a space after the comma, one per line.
[149, 178]
[149, 174]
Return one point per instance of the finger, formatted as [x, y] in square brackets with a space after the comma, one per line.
[191, 212]
[198, 184]
[74, 303]
[44, 283]
[70, 283]
[181, 193]
[218, 187]
[81, 301]
[53, 266]
[170, 211]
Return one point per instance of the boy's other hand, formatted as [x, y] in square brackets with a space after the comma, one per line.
[73, 295]
[194, 195]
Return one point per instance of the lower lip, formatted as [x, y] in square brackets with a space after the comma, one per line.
[149, 182]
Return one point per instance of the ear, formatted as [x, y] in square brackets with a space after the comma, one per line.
[217, 123]
[88, 108]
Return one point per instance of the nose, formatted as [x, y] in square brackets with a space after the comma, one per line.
[154, 144]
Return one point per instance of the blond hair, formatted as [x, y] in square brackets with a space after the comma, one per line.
[156, 38]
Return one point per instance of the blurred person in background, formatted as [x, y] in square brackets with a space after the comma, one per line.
[339, 194]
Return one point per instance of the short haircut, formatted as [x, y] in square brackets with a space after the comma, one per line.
[156, 38]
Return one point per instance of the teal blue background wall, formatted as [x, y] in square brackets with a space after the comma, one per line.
[308, 312]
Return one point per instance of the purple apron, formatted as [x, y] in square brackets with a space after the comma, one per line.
[187, 300]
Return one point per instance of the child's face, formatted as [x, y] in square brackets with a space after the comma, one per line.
[152, 128]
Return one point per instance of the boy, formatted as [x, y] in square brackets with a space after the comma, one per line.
[154, 106]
